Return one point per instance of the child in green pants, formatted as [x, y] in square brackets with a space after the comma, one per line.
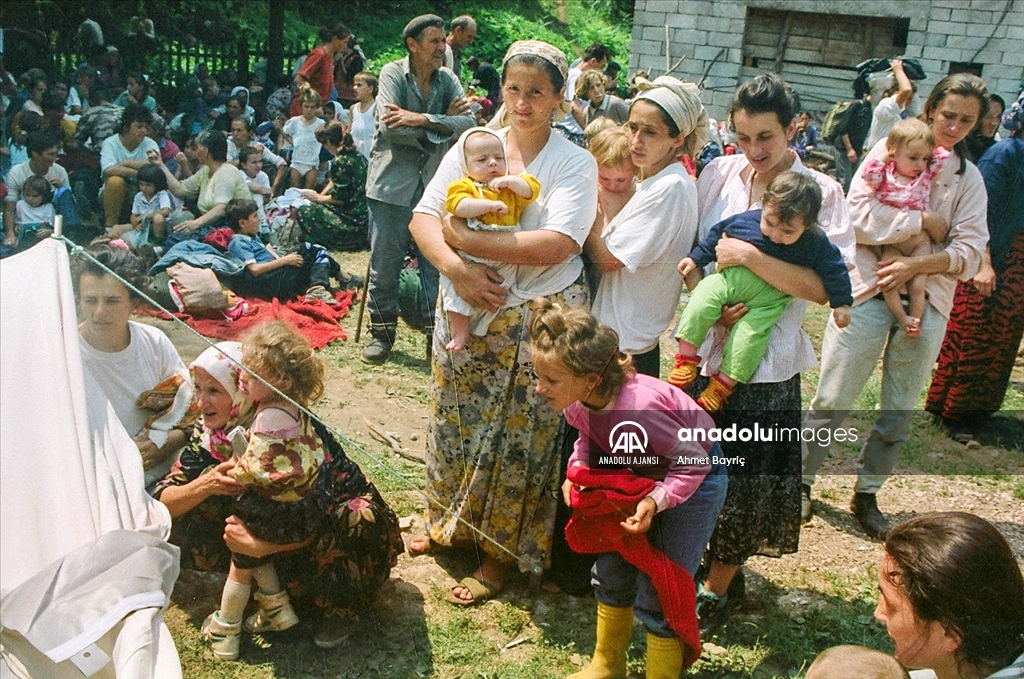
[784, 229]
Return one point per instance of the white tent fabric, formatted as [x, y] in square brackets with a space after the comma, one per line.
[69, 472]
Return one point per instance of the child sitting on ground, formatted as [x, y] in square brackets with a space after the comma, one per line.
[855, 662]
[150, 210]
[306, 271]
[278, 466]
[785, 228]
[300, 131]
[33, 213]
[489, 199]
[250, 160]
[903, 179]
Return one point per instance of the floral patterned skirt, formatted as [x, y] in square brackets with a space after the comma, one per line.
[492, 442]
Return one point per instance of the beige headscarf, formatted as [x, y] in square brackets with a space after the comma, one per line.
[681, 101]
[545, 51]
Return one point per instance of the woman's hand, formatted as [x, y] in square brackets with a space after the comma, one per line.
[151, 453]
[640, 522]
[313, 196]
[455, 230]
[733, 252]
[892, 273]
[11, 239]
[731, 314]
[219, 481]
[985, 281]
[478, 284]
[240, 541]
[187, 226]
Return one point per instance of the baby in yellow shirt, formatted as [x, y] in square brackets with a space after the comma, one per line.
[489, 199]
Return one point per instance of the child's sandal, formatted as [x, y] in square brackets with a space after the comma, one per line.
[685, 371]
[913, 327]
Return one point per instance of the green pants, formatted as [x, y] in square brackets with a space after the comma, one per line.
[748, 339]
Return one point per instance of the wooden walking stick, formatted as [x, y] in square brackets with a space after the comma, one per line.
[362, 302]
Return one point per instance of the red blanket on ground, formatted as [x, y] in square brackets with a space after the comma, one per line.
[607, 499]
[314, 320]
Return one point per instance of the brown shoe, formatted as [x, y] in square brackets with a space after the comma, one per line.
[865, 507]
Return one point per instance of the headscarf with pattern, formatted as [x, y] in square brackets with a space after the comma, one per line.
[548, 53]
[681, 101]
[223, 363]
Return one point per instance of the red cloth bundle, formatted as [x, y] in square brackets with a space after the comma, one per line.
[605, 499]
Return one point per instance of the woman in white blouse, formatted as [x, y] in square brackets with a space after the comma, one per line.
[761, 515]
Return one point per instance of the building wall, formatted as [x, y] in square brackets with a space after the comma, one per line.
[708, 36]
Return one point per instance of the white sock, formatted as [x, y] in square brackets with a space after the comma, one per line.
[266, 579]
[233, 601]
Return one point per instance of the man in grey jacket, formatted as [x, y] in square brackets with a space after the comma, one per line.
[421, 108]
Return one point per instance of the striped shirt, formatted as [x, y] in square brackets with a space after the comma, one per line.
[1014, 670]
[723, 190]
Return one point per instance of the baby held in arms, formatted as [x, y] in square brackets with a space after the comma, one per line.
[785, 228]
[489, 199]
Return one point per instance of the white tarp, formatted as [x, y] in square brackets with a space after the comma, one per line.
[69, 472]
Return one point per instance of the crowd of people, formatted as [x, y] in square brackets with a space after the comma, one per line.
[558, 224]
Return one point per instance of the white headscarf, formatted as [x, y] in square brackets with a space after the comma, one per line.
[681, 101]
[222, 363]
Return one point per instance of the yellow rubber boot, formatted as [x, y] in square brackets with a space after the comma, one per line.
[664, 658]
[614, 627]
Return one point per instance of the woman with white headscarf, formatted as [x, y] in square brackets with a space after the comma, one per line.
[637, 251]
[502, 479]
[355, 542]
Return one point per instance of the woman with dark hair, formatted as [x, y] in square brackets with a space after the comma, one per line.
[136, 92]
[318, 69]
[121, 156]
[987, 320]
[761, 515]
[502, 479]
[957, 225]
[336, 217]
[210, 189]
[983, 136]
[135, 364]
[952, 598]
[356, 539]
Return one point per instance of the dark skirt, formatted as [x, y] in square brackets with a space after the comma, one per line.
[761, 515]
[980, 346]
[356, 539]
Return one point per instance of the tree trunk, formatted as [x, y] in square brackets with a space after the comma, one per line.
[275, 45]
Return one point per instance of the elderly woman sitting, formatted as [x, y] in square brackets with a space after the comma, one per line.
[355, 542]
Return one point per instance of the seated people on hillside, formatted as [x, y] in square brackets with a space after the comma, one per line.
[210, 189]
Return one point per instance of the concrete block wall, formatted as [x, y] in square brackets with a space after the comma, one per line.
[708, 36]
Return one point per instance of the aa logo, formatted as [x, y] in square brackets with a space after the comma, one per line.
[628, 438]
